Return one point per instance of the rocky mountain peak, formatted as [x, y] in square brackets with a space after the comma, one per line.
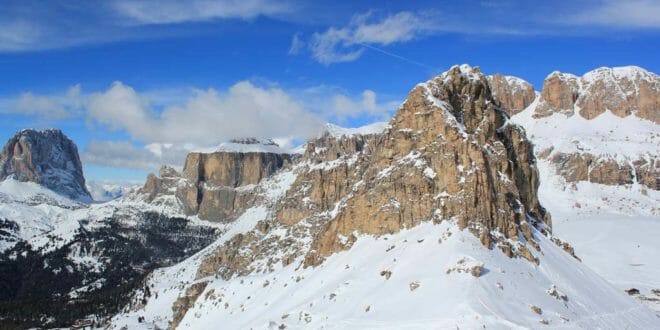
[462, 92]
[448, 154]
[45, 157]
[623, 91]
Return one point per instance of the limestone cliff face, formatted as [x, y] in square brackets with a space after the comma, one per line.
[514, 94]
[217, 185]
[45, 157]
[624, 91]
[212, 180]
[574, 167]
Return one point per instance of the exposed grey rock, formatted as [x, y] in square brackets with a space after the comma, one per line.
[46, 157]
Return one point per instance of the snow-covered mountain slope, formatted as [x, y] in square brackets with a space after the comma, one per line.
[251, 145]
[62, 257]
[612, 228]
[57, 255]
[433, 222]
[624, 139]
[417, 279]
[37, 215]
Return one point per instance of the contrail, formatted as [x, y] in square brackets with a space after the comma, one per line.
[382, 51]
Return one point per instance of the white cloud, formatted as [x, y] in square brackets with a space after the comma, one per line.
[120, 107]
[346, 44]
[207, 117]
[622, 14]
[172, 11]
[164, 128]
[340, 107]
[400, 27]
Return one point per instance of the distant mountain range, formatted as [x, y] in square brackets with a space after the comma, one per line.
[481, 203]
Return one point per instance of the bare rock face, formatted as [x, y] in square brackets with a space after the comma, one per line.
[623, 91]
[574, 167]
[586, 167]
[185, 302]
[48, 158]
[212, 180]
[647, 172]
[216, 186]
[560, 91]
[514, 94]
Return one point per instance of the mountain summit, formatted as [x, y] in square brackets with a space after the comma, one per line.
[48, 158]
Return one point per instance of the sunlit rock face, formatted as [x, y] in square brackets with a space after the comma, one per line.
[623, 91]
[216, 185]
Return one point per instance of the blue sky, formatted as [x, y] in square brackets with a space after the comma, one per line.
[137, 84]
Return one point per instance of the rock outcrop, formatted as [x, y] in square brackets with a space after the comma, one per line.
[163, 185]
[622, 91]
[447, 155]
[574, 167]
[46, 157]
[513, 93]
[216, 185]
[212, 180]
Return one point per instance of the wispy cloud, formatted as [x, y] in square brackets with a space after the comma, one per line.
[297, 44]
[31, 25]
[40, 25]
[346, 44]
[632, 14]
[52, 107]
[172, 11]
[18, 34]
